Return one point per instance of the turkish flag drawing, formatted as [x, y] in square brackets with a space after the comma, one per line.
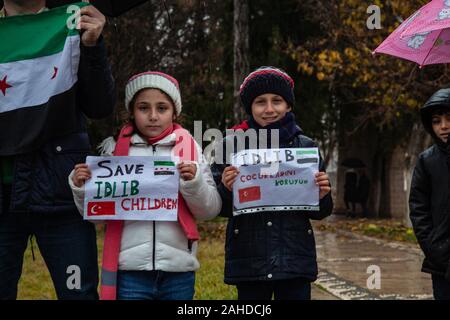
[249, 194]
[103, 208]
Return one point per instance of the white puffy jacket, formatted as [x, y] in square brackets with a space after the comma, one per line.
[162, 245]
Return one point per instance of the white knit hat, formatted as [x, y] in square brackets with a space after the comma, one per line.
[154, 80]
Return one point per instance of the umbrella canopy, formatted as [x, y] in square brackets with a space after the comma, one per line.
[433, 16]
[423, 48]
[110, 8]
[353, 163]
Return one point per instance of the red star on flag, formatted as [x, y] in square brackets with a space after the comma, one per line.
[4, 85]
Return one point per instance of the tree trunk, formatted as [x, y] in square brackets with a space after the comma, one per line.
[241, 49]
[377, 184]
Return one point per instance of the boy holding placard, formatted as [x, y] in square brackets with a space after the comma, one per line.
[270, 247]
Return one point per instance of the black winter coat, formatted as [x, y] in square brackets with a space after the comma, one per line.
[270, 245]
[40, 177]
[430, 210]
[429, 200]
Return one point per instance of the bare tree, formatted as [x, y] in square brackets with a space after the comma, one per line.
[241, 49]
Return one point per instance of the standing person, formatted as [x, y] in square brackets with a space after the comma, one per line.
[156, 260]
[430, 193]
[363, 190]
[36, 200]
[350, 192]
[270, 253]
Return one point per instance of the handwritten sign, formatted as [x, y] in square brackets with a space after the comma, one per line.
[132, 188]
[276, 180]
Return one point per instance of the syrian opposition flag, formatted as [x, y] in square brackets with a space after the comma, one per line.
[39, 58]
[164, 168]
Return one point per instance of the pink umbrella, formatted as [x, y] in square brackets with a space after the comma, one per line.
[435, 15]
[432, 47]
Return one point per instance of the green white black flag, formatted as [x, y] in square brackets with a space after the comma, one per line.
[39, 58]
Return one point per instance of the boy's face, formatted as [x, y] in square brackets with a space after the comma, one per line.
[441, 125]
[269, 108]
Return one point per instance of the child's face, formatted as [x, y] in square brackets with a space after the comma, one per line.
[441, 125]
[153, 112]
[269, 108]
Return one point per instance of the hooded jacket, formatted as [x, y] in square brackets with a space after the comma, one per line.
[430, 193]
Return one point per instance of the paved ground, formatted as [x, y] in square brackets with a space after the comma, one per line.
[318, 293]
[344, 257]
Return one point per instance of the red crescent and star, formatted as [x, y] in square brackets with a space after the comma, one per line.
[4, 85]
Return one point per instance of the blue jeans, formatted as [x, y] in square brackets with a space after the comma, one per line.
[441, 288]
[289, 289]
[155, 285]
[64, 240]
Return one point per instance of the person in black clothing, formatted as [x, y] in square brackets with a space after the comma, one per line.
[350, 193]
[35, 197]
[363, 189]
[430, 194]
[270, 252]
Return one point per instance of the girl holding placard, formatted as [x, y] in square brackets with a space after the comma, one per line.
[155, 259]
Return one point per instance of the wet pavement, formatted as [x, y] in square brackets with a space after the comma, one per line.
[344, 258]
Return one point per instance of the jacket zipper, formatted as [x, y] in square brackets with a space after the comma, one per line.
[154, 230]
[154, 246]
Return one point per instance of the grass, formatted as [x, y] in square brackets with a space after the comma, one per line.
[36, 284]
[388, 229]
[209, 284]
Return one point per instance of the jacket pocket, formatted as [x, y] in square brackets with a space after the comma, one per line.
[66, 153]
[245, 240]
[298, 236]
[300, 242]
[440, 253]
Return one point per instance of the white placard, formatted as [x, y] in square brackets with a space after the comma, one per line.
[276, 180]
[132, 188]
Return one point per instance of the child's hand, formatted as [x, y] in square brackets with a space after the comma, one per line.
[82, 173]
[323, 182]
[187, 170]
[229, 176]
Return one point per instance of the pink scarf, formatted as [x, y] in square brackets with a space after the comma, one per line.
[163, 134]
[186, 150]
